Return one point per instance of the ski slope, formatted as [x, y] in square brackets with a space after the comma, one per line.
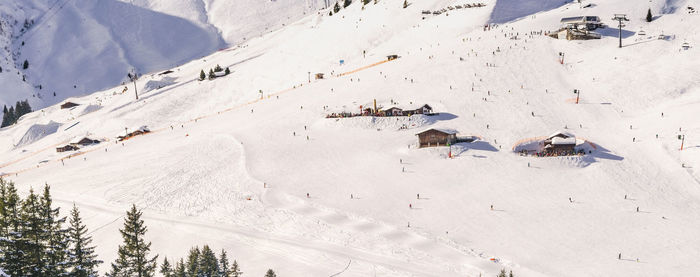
[75, 48]
[230, 166]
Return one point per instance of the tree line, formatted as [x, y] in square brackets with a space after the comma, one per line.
[35, 240]
[11, 115]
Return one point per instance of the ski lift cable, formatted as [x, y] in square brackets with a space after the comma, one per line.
[29, 34]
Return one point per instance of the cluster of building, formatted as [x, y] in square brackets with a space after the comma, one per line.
[578, 28]
[380, 112]
[139, 131]
[76, 143]
[455, 7]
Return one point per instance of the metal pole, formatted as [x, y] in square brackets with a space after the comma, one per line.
[135, 91]
[620, 36]
[578, 94]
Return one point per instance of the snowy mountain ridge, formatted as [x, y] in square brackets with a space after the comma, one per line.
[74, 48]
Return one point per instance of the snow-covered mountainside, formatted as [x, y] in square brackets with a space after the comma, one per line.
[77, 47]
[257, 162]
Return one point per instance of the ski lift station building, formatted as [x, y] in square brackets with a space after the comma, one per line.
[589, 23]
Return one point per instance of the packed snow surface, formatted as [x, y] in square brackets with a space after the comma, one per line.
[249, 162]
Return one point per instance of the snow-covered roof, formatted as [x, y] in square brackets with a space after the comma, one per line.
[444, 130]
[563, 141]
[566, 134]
[77, 139]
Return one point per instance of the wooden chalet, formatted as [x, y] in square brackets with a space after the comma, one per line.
[394, 111]
[425, 109]
[66, 148]
[68, 105]
[436, 137]
[560, 143]
[83, 141]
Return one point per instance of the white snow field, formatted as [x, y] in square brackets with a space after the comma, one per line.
[230, 166]
[76, 47]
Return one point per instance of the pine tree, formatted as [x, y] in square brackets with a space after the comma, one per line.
[235, 271]
[25, 65]
[227, 71]
[165, 268]
[649, 17]
[270, 273]
[13, 258]
[224, 269]
[336, 8]
[202, 76]
[55, 236]
[133, 258]
[192, 265]
[10, 116]
[82, 257]
[218, 68]
[180, 269]
[5, 117]
[365, 2]
[502, 273]
[32, 236]
[405, 4]
[347, 3]
[208, 264]
[511, 274]
[330, 13]
[212, 76]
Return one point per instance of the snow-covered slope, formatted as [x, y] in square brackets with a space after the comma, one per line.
[231, 167]
[78, 47]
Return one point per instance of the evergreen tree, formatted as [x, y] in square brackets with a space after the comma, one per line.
[649, 17]
[365, 2]
[82, 257]
[202, 76]
[10, 116]
[5, 117]
[55, 237]
[235, 271]
[227, 71]
[218, 68]
[347, 3]
[180, 269]
[13, 258]
[330, 13]
[165, 268]
[208, 264]
[510, 274]
[224, 269]
[336, 8]
[133, 258]
[192, 265]
[405, 4]
[502, 273]
[32, 236]
[25, 65]
[270, 273]
[212, 76]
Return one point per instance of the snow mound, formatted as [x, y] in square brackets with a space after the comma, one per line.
[158, 84]
[509, 10]
[90, 108]
[37, 132]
